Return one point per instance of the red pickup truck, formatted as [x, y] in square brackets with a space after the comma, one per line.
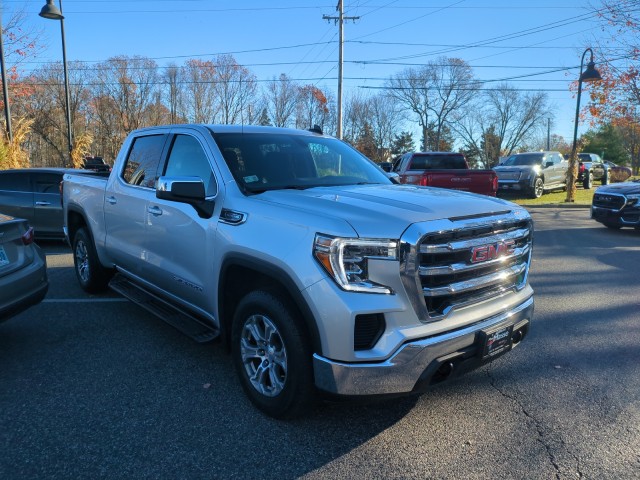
[444, 170]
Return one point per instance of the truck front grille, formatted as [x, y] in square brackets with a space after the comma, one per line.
[461, 261]
[609, 200]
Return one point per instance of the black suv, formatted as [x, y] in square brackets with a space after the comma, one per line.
[617, 205]
[590, 168]
[532, 173]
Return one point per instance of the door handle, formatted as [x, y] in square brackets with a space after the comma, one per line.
[156, 211]
[111, 200]
[42, 204]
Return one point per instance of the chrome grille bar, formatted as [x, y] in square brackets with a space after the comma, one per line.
[495, 278]
[465, 267]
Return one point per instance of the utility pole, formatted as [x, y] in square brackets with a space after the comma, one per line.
[548, 134]
[5, 91]
[339, 20]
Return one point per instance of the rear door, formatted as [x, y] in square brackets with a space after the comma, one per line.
[16, 196]
[48, 216]
[126, 201]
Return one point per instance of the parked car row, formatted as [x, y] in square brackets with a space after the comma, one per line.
[534, 173]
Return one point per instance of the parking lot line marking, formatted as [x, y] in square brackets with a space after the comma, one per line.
[84, 300]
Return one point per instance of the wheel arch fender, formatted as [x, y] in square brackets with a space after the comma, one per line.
[75, 221]
[241, 274]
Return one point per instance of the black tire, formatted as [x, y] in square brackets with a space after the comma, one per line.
[605, 177]
[272, 356]
[91, 275]
[587, 183]
[538, 188]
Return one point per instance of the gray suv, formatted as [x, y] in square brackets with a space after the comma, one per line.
[34, 194]
[532, 173]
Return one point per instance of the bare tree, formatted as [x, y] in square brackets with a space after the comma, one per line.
[435, 91]
[280, 100]
[508, 117]
[385, 116]
[453, 88]
[172, 91]
[46, 106]
[235, 88]
[410, 88]
[199, 91]
[356, 115]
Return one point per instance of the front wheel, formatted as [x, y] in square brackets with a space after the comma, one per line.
[538, 188]
[92, 276]
[271, 355]
[588, 181]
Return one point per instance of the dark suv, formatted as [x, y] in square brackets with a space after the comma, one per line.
[34, 194]
[532, 173]
[590, 168]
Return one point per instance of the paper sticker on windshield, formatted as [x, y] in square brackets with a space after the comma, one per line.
[250, 179]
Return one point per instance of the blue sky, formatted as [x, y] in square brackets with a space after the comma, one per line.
[537, 45]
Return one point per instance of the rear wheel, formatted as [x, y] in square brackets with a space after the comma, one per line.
[538, 188]
[92, 276]
[588, 181]
[271, 355]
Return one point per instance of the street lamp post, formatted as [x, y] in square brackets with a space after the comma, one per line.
[589, 75]
[51, 12]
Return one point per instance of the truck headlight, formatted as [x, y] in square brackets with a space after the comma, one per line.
[633, 198]
[347, 260]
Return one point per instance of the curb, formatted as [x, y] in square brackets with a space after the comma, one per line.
[558, 205]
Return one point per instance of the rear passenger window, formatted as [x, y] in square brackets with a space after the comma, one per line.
[141, 167]
[14, 182]
[47, 183]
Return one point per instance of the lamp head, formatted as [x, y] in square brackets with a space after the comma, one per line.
[51, 12]
[590, 74]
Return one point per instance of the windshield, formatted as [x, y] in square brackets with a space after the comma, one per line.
[524, 159]
[272, 161]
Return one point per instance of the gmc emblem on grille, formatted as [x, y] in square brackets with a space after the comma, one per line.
[492, 251]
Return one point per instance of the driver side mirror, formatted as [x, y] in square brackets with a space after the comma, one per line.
[548, 164]
[188, 190]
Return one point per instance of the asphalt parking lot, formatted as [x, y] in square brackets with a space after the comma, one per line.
[95, 387]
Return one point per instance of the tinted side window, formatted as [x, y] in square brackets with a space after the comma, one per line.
[47, 182]
[15, 182]
[141, 167]
[187, 158]
[435, 162]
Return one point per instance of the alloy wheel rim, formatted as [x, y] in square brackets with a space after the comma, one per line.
[264, 355]
[82, 261]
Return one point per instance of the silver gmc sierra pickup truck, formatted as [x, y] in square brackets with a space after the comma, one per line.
[319, 273]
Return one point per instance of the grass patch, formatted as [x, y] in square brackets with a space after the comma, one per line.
[556, 197]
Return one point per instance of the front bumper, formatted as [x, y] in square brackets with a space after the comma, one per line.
[523, 184]
[625, 217]
[419, 364]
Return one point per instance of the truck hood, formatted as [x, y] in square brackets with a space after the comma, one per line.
[624, 188]
[385, 211]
